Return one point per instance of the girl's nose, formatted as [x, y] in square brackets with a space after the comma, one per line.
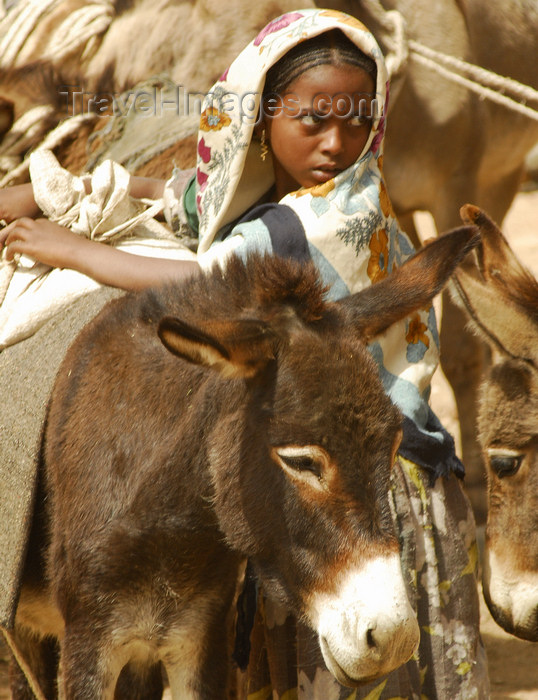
[333, 141]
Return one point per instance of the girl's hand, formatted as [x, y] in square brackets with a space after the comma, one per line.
[54, 245]
[18, 201]
[43, 241]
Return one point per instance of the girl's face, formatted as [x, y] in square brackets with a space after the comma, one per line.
[320, 126]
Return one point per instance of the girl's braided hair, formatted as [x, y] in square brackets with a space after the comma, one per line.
[330, 48]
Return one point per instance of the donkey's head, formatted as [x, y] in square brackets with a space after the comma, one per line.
[501, 298]
[301, 459]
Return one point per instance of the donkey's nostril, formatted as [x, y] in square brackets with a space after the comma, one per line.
[370, 638]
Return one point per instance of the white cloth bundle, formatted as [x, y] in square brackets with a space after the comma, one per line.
[34, 292]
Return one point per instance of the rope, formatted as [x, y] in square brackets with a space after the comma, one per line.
[97, 16]
[25, 668]
[481, 90]
[81, 26]
[24, 131]
[485, 83]
[485, 77]
[18, 23]
[53, 139]
[78, 31]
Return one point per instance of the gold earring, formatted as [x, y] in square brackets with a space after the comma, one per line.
[264, 146]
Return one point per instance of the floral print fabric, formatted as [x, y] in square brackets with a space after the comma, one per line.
[349, 222]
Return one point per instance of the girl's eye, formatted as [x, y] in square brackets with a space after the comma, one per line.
[310, 119]
[359, 120]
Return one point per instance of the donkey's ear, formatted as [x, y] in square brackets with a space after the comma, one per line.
[412, 286]
[498, 263]
[500, 296]
[234, 349]
[496, 260]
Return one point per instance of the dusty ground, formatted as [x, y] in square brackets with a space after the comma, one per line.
[513, 663]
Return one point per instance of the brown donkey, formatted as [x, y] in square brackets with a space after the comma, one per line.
[501, 299]
[237, 414]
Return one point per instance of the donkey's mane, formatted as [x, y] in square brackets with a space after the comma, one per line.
[44, 82]
[39, 79]
[256, 286]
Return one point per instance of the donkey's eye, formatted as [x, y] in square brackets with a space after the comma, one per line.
[504, 462]
[302, 463]
[306, 463]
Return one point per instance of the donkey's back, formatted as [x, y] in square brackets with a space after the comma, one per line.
[235, 415]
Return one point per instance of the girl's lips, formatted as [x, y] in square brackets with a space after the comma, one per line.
[325, 174]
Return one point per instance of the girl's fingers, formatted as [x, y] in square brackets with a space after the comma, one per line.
[9, 253]
[13, 247]
[4, 233]
[13, 238]
[17, 228]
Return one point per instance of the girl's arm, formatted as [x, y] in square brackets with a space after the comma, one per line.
[54, 245]
[18, 201]
[146, 187]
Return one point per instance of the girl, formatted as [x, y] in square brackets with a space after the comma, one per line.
[290, 160]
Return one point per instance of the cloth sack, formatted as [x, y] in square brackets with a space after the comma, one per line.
[32, 292]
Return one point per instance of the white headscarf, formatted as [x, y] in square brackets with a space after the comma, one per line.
[231, 176]
[352, 232]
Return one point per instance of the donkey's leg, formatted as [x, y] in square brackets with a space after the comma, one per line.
[199, 678]
[90, 664]
[41, 656]
[197, 655]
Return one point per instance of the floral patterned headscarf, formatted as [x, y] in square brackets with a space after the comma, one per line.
[231, 176]
[350, 226]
